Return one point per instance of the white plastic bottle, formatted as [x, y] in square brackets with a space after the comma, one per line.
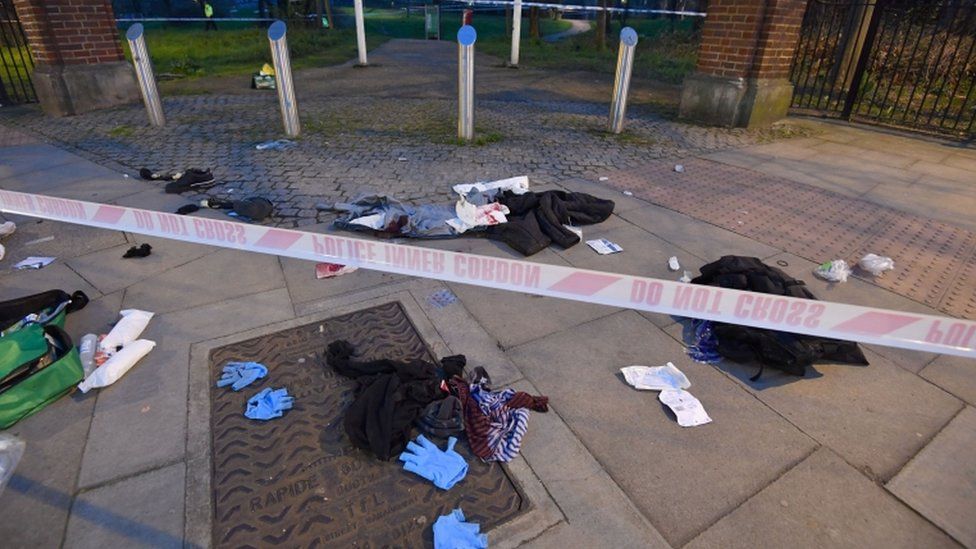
[86, 349]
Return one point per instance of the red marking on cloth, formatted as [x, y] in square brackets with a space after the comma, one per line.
[584, 283]
[108, 214]
[278, 239]
[875, 323]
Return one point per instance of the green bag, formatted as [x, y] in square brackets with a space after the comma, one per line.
[38, 365]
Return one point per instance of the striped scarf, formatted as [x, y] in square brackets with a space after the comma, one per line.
[496, 421]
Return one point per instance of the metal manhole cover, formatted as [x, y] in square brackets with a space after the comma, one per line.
[296, 481]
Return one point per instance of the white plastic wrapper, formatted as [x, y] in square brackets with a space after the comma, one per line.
[11, 450]
[126, 330]
[685, 406]
[655, 378]
[115, 367]
[876, 264]
[833, 271]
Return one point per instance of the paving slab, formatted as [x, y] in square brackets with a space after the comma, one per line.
[461, 334]
[828, 149]
[303, 286]
[37, 500]
[822, 502]
[22, 159]
[955, 374]
[141, 511]
[681, 479]
[961, 161]
[621, 202]
[69, 240]
[702, 239]
[949, 206]
[57, 275]
[224, 274]
[877, 417]
[597, 511]
[47, 178]
[140, 421]
[943, 171]
[109, 272]
[940, 483]
[643, 254]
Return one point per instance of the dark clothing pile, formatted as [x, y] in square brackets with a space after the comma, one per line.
[537, 219]
[391, 396]
[789, 352]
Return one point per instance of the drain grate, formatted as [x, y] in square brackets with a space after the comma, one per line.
[296, 481]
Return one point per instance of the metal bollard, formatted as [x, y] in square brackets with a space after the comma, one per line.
[145, 75]
[466, 37]
[621, 84]
[360, 32]
[516, 32]
[286, 88]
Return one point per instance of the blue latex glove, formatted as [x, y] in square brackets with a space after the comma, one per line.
[268, 404]
[241, 374]
[444, 469]
[451, 532]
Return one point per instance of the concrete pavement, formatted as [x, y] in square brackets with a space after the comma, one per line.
[849, 456]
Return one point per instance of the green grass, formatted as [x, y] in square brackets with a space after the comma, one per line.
[188, 51]
[12, 61]
[662, 53]
[121, 131]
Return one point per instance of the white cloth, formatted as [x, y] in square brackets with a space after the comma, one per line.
[115, 367]
[126, 330]
[655, 378]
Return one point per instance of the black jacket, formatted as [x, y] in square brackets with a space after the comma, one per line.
[789, 352]
[536, 219]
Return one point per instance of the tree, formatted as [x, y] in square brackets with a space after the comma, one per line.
[534, 23]
[600, 35]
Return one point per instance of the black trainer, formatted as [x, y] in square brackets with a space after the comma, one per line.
[191, 179]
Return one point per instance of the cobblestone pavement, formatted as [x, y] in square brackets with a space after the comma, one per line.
[359, 135]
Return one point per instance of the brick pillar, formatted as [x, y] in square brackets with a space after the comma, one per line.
[744, 63]
[79, 65]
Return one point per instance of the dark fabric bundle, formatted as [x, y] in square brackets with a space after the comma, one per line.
[536, 219]
[391, 396]
[789, 352]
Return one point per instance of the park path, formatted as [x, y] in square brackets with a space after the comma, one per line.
[579, 26]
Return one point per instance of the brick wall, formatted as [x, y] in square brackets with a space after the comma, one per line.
[70, 32]
[750, 38]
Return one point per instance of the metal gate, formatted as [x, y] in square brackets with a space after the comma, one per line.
[903, 63]
[16, 65]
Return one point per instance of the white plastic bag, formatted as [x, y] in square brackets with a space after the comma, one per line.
[115, 367]
[11, 450]
[833, 271]
[876, 264]
[687, 409]
[655, 378]
[126, 330]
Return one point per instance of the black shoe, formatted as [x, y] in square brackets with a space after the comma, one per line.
[191, 179]
[146, 173]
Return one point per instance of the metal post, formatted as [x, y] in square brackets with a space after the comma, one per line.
[621, 84]
[360, 32]
[516, 32]
[145, 75]
[283, 81]
[466, 37]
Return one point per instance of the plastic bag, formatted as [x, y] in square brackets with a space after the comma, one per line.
[11, 450]
[876, 264]
[655, 378]
[115, 367]
[126, 330]
[833, 271]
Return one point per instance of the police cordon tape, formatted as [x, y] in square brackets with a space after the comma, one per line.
[820, 318]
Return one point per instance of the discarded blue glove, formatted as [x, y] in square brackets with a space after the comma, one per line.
[241, 374]
[268, 404]
[451, 532]
[444, 469]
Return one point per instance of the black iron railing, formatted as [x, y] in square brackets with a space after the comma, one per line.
[895, 62]
[16, 65]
